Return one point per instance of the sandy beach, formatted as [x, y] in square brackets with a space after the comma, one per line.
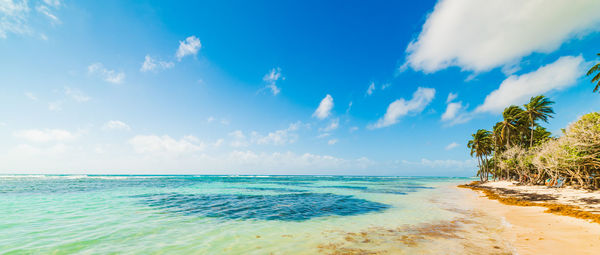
[531, 230]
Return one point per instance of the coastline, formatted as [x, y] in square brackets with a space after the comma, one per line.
[530, 229]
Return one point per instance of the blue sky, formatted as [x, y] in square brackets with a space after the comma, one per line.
[279, 87]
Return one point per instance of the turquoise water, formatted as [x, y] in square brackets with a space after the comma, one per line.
[239, 215]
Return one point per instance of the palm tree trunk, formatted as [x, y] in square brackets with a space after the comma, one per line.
[507, 137]
[531, 137]
[480, 170]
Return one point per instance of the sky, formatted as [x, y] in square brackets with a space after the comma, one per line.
[280, 87]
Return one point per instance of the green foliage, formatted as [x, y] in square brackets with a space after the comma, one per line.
[596, 78]
[519, 148]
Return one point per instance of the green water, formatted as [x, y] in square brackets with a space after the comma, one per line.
[237, 215]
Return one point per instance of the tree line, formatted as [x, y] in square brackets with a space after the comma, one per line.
[519, 148]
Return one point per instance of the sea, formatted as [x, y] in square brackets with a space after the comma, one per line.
[207, 214]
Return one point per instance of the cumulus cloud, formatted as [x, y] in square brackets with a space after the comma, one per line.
[451, 146]
[517, 89]
[332, 141]
[77, 95]
[116, 125]
[271, 79]
[45, 135]
[107, 75]
[401, 107]
[452, 110]
[324, 109]
[165, 144]
[151, 64]
[189, 46]
[480, 35]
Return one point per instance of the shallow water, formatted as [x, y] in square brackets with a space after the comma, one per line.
[241, 215]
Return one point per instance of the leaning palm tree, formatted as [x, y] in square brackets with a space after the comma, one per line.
[538, 108]
[481, 147]
[509, 122]
[596, 79]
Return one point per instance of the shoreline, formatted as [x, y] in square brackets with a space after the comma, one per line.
[534, 227]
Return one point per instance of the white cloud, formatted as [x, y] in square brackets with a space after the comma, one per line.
[332, 141]
[189, 46]
[451, 97]
[399, 108]
[165, 144]
[210, 119]
[352, 129]
[452, 110]
[111, 76]
[219, 142]
[442, 163]
[456, 114]
[31, 96]
[151, 64]
[238, 139]
[77, 95]
[293, 162]
[517, 89]
[55, 106]
[333, 125]
[116, 125]
[13, 17]
[480, 35]
[278, 137]
[43, 9]
[45, 135]
[324, 109]
[451, 146]
[54, 3]
[323, 135]
[370, 89]
[271, 79]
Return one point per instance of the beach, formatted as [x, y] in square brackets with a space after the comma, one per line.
[530, 230]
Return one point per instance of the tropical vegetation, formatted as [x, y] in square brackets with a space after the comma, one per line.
[518, 148]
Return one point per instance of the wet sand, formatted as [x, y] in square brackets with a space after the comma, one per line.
[532, 231]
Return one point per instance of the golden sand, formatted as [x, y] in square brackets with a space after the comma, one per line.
[541, 228]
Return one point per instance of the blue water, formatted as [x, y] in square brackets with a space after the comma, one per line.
[67, 214]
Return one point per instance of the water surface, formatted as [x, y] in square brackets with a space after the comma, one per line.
[239, 215]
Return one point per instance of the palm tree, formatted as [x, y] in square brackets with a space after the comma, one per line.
[538, 108]
[595, 69]
[511, 117]
[481, 147]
